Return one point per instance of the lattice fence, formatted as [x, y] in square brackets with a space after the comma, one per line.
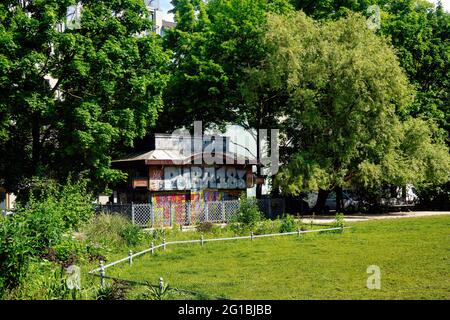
[187, 213]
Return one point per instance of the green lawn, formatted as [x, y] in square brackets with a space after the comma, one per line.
[413, 254]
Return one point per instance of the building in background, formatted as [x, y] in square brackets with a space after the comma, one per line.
[7, 200]
[162, 21]
[165, 174]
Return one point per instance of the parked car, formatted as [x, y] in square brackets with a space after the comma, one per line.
[351, 202]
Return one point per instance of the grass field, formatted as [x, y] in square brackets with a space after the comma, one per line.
[413, 255]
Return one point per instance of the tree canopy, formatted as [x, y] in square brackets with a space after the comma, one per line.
[420, 33]
[74, 93]
[345, 92]
[212, 51]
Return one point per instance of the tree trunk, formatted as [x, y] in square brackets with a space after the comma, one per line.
[321, 200]
[339, 198]
[36, 144]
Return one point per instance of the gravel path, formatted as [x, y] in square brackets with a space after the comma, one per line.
[366, 217]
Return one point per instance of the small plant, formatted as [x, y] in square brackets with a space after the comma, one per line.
[288, 224]
[265, 227]
[159, 234]
[115, 291]
[57, 289]
[247, 217]
[338, 222]
[131, 234]
[205, 227]
[159, 292]
[67, 249]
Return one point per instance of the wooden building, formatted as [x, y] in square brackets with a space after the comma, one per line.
[208, 171]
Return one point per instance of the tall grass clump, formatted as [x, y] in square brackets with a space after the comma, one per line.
[113, 230]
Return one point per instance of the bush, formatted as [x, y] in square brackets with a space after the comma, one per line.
[131, 234]
[51, 212]
[113, 230]
[266, 226]
[116, 291]
[69, 250]
[247, 216]
[15, 252]
[338, 222]
[288, 224]
[55, 211]
[205, 227]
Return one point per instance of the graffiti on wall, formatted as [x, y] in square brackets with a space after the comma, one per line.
[197, 178]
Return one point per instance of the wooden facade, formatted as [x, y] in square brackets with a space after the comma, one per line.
[164, 174]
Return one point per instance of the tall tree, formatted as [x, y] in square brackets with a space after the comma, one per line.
[420, 32]
[73, 93]
[213, 47]
[346, 89]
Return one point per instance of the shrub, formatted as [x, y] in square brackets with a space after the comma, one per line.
[338, 222]
[69, 250]
[116, 291]
[266, 226]
[157, 292]
[247, 216]
[51, 211]
[77, 204]
[288, 224]
[131, 234]
[205, 227]
[54, 211]
[112, 230]
[15, 252]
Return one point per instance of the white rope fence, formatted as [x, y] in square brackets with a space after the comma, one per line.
[102, 268]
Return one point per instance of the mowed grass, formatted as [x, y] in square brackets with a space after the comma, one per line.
[413, 255]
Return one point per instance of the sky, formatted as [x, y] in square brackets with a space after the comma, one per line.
[166, 6]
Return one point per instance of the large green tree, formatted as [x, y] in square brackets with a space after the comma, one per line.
[346, 91]
[75, 88]
[214, 45]
[420, 33]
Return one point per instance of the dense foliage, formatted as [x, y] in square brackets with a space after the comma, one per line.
[75, 91]
[44, 225]
[342, 120]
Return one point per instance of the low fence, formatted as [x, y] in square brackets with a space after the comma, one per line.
[188, 213]
[102, 268]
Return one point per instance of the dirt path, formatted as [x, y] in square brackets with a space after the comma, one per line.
[366, 217]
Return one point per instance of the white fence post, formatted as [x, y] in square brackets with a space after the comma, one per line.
[102, 274]
[130, 257]
[132, 213]
[164, 244]
[202, 240]
[251, 235]
[152, 248]
[161, 283]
